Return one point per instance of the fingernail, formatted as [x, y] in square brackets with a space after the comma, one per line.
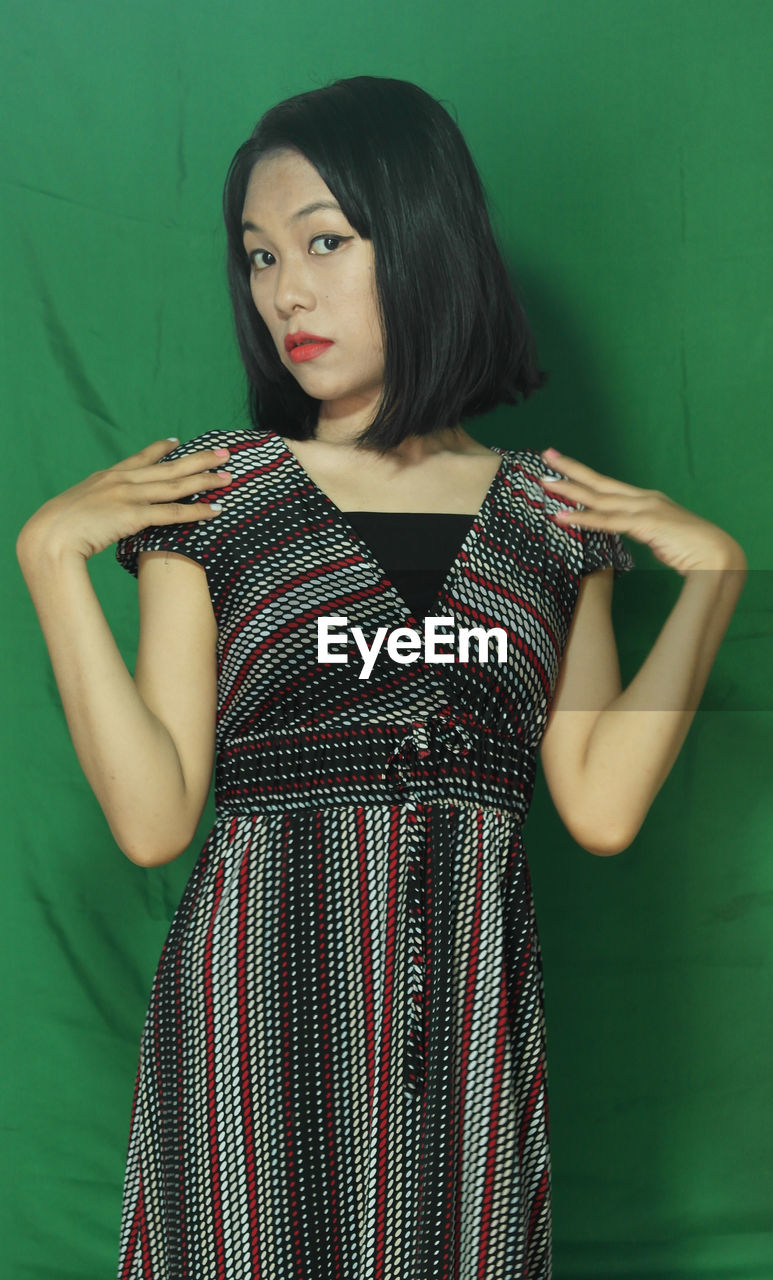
[221, 453]
[216, 506]
[174, 439]
[551, 453]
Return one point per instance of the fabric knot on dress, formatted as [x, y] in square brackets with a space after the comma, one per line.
[440, 731]
[453, 733]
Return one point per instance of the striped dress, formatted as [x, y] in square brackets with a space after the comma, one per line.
[342, 1069]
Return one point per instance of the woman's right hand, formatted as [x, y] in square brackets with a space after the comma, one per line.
[119, 501]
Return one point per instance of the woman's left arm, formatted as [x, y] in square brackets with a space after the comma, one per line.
[606, 765]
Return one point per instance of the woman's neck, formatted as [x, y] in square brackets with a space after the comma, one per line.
[411, 449]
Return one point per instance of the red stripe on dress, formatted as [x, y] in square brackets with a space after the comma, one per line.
[133, 1233]
[147, 1273]
[294, 1208]
[469, 1004]
[244, 1050]
[539, 1200]
[531, 1102]
[321, 847]
[217, 1208]
[450, 1269]
[523, 970]
[158, 1057]
[367, 954]
[181, 1083]
[430, 951]
[180, 1113]
[491, 1157]
[386, 1038]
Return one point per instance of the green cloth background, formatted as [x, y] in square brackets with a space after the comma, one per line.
[626, 147]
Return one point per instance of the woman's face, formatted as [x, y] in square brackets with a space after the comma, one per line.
[311, 273]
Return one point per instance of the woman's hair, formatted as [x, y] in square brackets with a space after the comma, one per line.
[456, 339]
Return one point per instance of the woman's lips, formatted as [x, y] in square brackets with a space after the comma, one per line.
[303, 345]
[308, 350]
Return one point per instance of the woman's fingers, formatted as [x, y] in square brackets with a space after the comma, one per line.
[155, 482]
[152, 452]
[575, 491]
[182, 512]
[579, 473]
[150, 460]
[167, 487]
[161, 486]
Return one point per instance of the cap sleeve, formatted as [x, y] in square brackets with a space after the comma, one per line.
[193, 540]
[580, 549]
[601, 549]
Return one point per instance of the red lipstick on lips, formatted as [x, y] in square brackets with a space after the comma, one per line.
[305, 346]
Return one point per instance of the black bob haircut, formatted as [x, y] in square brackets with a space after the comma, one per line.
[456, 339]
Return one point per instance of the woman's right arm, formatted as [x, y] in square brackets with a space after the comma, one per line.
[146, 743]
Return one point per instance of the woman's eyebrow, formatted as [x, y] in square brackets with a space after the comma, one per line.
[301, 213]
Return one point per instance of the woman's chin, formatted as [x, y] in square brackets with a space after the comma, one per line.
[340, 397]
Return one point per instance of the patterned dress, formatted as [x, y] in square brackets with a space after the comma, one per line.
[342, 1068]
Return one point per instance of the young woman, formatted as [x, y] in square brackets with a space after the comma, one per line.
[342, 1071]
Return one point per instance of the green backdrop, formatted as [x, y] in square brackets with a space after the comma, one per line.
[626, 148]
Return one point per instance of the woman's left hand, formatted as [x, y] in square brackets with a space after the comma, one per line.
[679, 538]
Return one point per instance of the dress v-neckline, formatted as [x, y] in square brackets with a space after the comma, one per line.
[479, 520]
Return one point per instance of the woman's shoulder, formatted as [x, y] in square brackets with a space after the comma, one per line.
[529, 465]
[579, 547]
[245, 448]
[198, 539]
[236, 440]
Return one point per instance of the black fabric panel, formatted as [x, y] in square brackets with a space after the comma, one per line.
[415, 549]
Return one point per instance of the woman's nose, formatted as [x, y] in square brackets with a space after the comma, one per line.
[292, 287]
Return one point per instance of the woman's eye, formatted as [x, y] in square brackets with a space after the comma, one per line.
[257, 259]
[329, 243]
